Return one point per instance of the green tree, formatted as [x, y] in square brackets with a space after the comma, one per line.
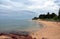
[42, 16]
[48, 15]
[59, 14]
[35, 18]
[53, 15]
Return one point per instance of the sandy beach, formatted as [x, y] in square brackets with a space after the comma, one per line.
[51, 30]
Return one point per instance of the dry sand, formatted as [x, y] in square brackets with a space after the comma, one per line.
[5, 37]
[51, 30]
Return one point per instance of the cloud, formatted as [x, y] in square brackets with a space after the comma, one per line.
[57, 2]
[32, 5]
[44, 5]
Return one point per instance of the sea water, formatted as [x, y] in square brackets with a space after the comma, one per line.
[18, 25]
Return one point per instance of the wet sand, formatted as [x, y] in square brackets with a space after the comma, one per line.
[51, 30]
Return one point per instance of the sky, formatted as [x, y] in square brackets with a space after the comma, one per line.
[37, 6]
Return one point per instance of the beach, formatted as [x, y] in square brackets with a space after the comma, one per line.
[51, 30]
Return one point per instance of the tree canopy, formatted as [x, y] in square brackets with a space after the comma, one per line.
[49, 16]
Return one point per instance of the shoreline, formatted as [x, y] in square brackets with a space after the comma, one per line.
[51, 30]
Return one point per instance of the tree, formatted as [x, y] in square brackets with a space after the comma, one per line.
[48, 15]
[53, 15]
[59, 14]
[42, 16]
[35, 18]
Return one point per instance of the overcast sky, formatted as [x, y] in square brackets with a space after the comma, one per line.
[38, 6]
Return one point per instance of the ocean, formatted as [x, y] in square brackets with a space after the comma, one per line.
[18, 25]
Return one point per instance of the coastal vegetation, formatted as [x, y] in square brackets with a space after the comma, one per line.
[48, 16]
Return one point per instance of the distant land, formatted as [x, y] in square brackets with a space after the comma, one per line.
[48, 16]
